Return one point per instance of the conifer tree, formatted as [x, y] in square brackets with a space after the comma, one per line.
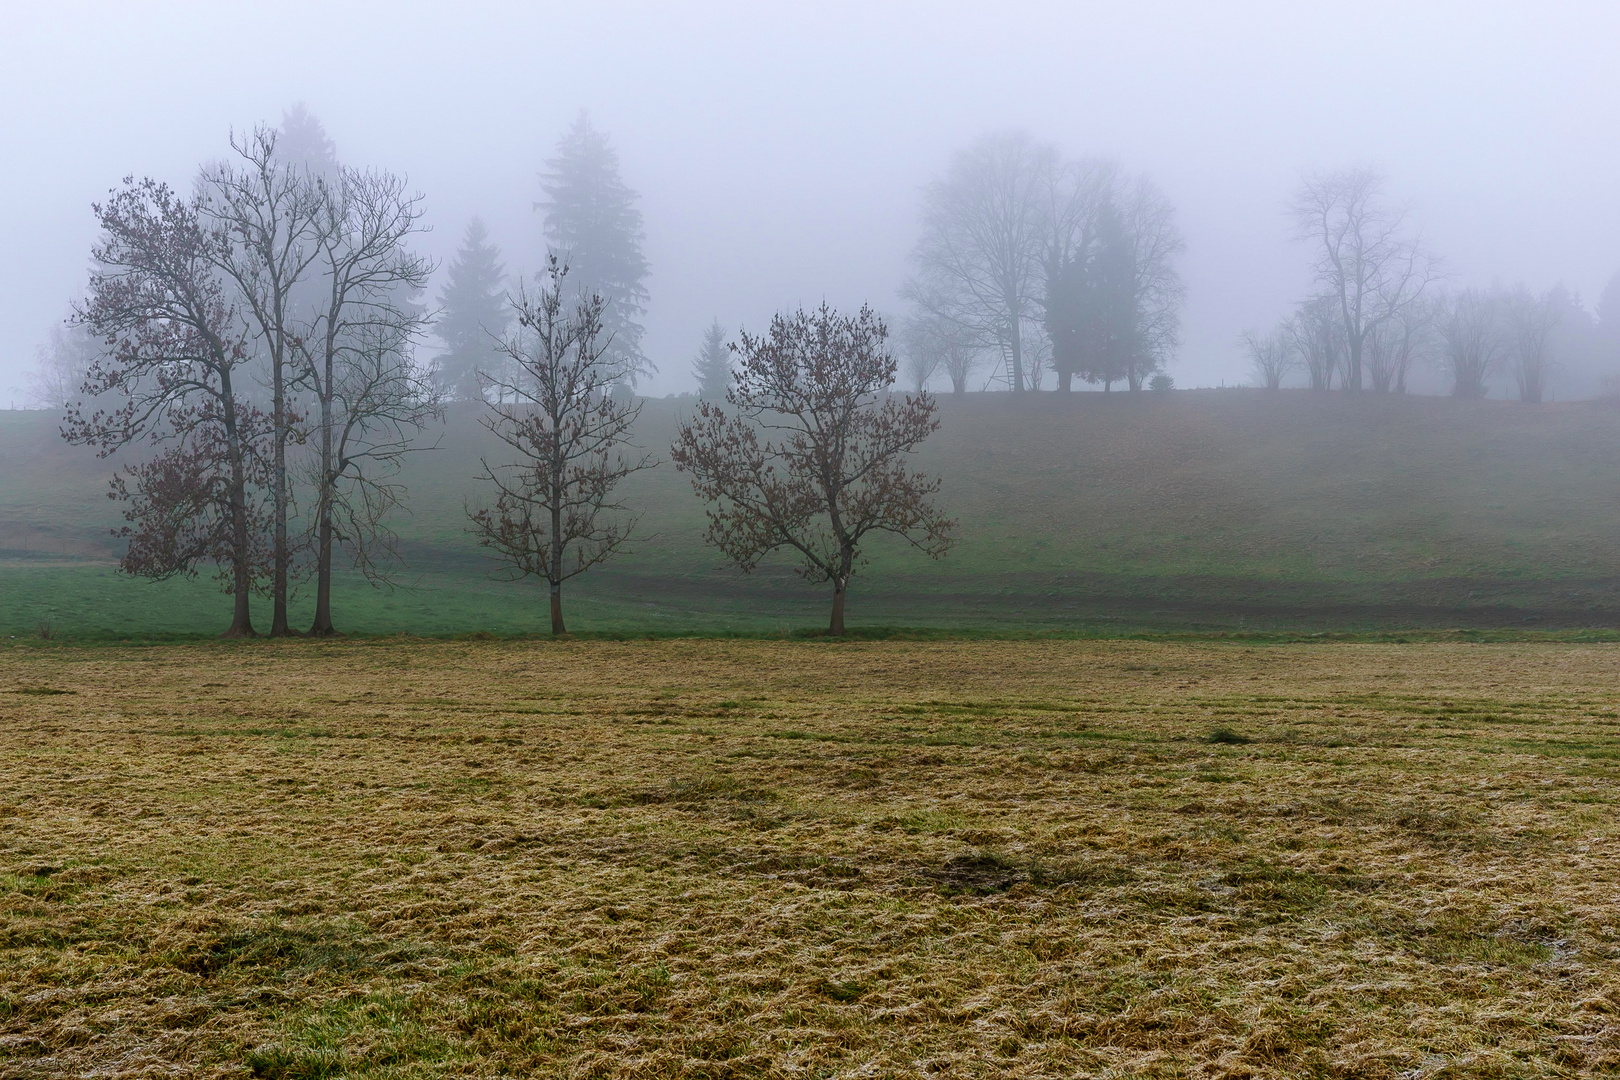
[594, 227]
[473, 315]
[712, 365]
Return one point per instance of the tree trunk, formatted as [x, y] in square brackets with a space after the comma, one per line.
[241, 567]
[323, 559]
[557, 626]
[1017, 358]
[1065, 381]
[556, 578]
[282, 558]
[1352, 370]
[835, 628]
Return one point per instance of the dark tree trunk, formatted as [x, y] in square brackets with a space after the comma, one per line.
[323, 582]
[278, 582]
[1065, 381]
[835, 628]
[323, 558]
[557, 626]
[241, 564]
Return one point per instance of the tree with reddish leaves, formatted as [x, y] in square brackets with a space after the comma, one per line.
[812, 455]
[556, 514]
[173, 359]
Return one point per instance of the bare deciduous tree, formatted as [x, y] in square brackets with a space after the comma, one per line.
[62, 365]
[270, 215]
[1366, 262]
[1150, 227]
[985, 230]
[175, 349]
[1471, 328]
[1318, 338]
[569, 433]
[1396, 345]
[811, 456]
[1271, 355]
[1529, 324]
[357, 357]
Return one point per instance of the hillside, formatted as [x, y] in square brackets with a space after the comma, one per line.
[1195, 509]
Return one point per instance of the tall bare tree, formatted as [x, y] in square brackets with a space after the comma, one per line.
[811, 455]
[62, 364]
[271, 215]
[1367, 262]
[1471, 332]
[985, 232]
[556, 514]
[357, 358]
[171, 374]
[1272, 355]
[1529, 324]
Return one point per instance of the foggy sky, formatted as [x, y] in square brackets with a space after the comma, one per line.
[779, 152]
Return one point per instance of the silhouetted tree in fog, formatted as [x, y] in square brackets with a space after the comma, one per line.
[811, 454]
[1271, 355]
[1529, 321]
[62, 365]
[1318, 337]
[594, 226]
[979, 262]
[473, 316]
[270, 214]
[1366, 263]
[357, 358]
[712, 365]
[1471, 333]
[173, 375]
[1397, 344]
[556, 514]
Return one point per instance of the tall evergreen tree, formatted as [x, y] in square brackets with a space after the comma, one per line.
[712, 365]
[473, 316]
[593, 225]
[303, 142]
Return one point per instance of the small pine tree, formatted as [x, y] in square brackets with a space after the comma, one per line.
[594, 227]
[473, 316]
[712, 365]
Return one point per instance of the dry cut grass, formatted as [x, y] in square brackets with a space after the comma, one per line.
[712, 859]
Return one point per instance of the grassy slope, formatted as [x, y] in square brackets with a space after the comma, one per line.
[1198, 509]
[700, 859]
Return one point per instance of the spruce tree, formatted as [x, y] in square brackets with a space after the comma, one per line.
[593, 225]
[473, 313]
[712, 365]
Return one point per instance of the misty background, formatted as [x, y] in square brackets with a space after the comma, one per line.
[779, 153]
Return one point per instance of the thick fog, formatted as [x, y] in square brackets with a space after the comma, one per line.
[779, 151]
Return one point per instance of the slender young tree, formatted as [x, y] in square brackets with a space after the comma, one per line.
[357, 359]
[271, 214]
[812, 455]
[711, 367]
[473, 316]
[556, 514]
[593, 224]
[172, 374]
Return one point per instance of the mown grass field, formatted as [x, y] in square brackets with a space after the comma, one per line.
[1096, 514]
[809, 859]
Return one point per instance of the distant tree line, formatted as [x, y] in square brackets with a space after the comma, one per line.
[1382, 309]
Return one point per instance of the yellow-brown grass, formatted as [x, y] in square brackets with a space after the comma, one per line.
[699, 858]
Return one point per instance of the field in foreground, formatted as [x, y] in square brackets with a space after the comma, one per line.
[706, 859]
